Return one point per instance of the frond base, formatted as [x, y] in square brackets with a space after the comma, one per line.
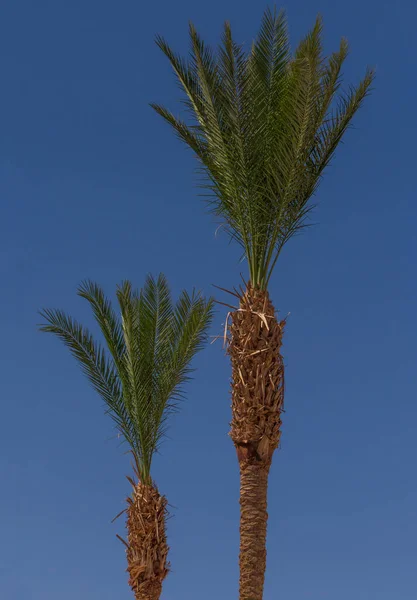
[255, 339]
[147, 547]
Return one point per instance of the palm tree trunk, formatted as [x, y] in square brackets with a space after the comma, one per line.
[257, 401]
[253, 521]
[147, 547]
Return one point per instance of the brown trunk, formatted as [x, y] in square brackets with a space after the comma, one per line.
[257, 401]
[147, 547]
[253, 520]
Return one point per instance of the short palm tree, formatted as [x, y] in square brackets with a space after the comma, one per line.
[139, 375]
[264, 125]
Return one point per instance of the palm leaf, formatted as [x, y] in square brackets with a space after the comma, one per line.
[264, 124]
[95, 364]
[146, 359]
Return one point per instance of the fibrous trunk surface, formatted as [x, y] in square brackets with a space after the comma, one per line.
[255, 338]
[147, 547]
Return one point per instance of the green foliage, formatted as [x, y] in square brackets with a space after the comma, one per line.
[141, 370]
[264, 125]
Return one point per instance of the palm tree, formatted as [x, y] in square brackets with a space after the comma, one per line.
[263, 124]
[140, 376]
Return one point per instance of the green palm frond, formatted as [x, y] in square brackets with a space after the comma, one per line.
[264, 125]
[96, 365]
[107, 320]
[141, 369]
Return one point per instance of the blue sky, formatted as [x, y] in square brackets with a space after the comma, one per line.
[93, 184]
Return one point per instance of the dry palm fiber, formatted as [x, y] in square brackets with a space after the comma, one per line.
[147, 547]
[255, 338]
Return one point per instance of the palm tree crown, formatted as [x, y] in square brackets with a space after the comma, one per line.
[141, 373]
[264, 125]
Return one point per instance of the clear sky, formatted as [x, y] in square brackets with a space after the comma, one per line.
[93, 184]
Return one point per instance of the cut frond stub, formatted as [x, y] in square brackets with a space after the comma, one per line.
[255, 338]
[147, 547]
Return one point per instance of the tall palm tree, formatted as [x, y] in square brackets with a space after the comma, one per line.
[140, 376]
[264, 124]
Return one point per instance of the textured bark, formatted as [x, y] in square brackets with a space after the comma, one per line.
[253, 521]
[255, 338]
[147, 547]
